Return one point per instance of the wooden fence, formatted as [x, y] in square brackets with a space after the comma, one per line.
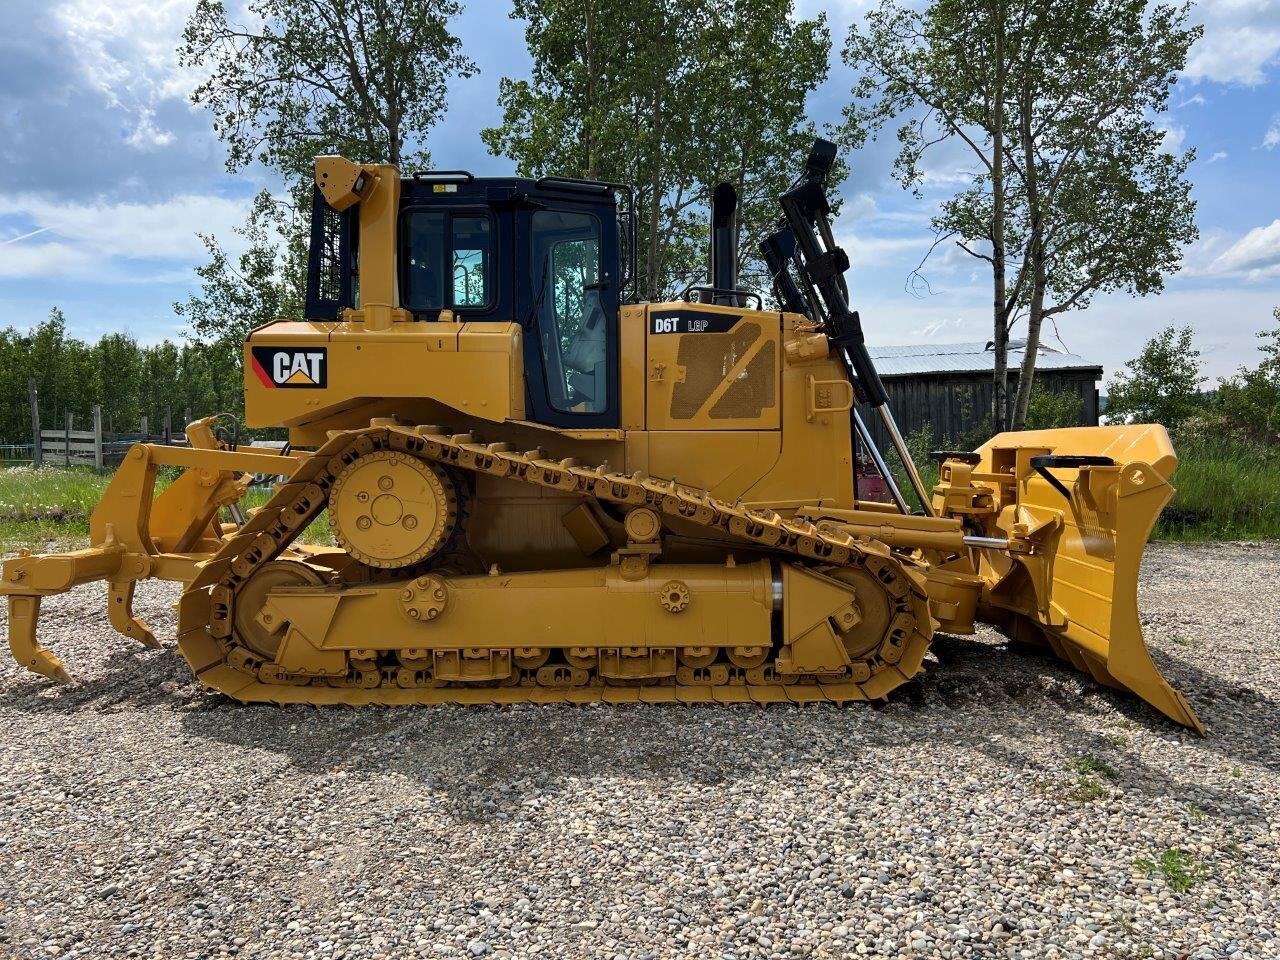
[92, 447]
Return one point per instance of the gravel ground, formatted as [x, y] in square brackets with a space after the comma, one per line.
[1001, 806]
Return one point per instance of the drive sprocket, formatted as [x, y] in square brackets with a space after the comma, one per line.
[391, 510]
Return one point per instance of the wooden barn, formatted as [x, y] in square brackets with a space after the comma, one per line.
[948, 386]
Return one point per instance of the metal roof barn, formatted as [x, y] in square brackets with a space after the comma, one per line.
[948, 386]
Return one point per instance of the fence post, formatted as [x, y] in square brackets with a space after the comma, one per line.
[97, 436]
[144, 428]
[66, 443]
[168, 425]
[36, 447]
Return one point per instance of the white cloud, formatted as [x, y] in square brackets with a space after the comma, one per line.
[944, 329]
[128, 48]
[95, 239]
[877, 251]
[49, 259]
[146, 136]
[860, 207]
[1174, 136]
[1256, 255]
[1240, 43]
[1218, 155]
[1271, 139]
[127, 51]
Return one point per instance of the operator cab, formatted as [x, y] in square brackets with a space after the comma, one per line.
[545, 254]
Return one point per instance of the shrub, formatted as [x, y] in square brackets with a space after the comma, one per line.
[1048, 409]
[1161, 384]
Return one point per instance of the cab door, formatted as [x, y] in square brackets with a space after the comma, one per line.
[571, 335]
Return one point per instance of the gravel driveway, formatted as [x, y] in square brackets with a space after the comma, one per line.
[1001, 806]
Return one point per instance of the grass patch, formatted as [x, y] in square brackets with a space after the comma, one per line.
[1182, 641]
[1227, 490]
[1087, 789]
[1090, 765]
[49, 504]
[1180, 870]
[53, 505]
[1087, 786]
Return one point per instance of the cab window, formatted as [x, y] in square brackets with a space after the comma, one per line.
[447, 261]
[571, 319]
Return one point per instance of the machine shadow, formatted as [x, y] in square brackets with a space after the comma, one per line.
[474, 755]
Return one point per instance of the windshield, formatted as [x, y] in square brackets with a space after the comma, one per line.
[447, 260]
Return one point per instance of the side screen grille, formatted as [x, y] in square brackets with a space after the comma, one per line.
[752, 392]
[329, 259]
[708, 360]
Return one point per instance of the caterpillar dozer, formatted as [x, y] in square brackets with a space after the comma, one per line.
[542, 489]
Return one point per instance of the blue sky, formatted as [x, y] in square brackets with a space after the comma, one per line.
[109, 173]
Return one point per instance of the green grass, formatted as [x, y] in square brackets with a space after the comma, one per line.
[1227, 490]
[52, 506]
[47, 505]
[1089, 765]
[1179, 869]
[1087, 789]
[1088, 786]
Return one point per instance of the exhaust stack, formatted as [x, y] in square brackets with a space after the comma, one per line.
[724, 252]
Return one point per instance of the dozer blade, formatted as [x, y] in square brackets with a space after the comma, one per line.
[1077, 506]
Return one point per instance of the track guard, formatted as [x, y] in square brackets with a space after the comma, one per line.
[1069, 578]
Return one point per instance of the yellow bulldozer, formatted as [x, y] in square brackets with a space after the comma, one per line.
[542, 489]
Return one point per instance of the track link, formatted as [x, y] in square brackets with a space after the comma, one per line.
[208, 641]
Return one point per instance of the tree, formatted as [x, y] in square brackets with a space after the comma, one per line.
[1250, 400]
[1105, 206]
[126, 379]
[1053, 408]
[947, 71]
[671, 96]
[1161, 384]
[240, 293]
[1072, 192]
[364, 78]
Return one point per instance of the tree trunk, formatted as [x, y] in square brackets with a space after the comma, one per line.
[1026, 377]
[589, 113]
[1035, 216]
[1000, 306]
[655, 209]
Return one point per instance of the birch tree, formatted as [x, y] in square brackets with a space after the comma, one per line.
[1057, 104]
